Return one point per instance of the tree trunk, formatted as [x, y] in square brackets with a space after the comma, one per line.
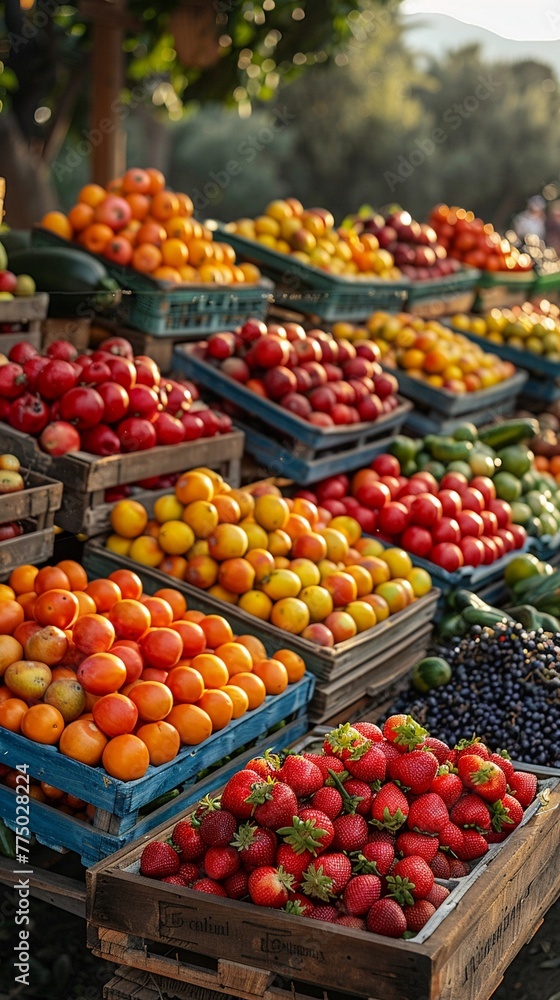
[29, 189]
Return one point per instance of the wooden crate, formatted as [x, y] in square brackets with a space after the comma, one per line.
[118, 817]
[159, 349]
[327, 664]
[26, 314]
[461, 954]
[36, 506]
[86, 477]
[75, 331]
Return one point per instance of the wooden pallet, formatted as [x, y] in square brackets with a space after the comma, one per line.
[327, 664]
[119, 815]
[460, 955]
[86, 477]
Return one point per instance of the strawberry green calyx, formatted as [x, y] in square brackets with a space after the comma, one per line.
[285, 878]
[344, 737]
[499, 816]
[361, 865]
[410, 734]
[295, 907]
[350, 802]
[502, 753]
[335, 776]
[360, 749]
[485, 773]
[391, 821]
[261, 791]
[467, 744]
[303, 835]
[401, 889]
[272, 758]
[208, 804]
[244, 837]
[316, 883]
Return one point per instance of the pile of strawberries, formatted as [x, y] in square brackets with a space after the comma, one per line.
[355, 834]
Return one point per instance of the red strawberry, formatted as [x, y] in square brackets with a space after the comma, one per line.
[457, 868]
[379, 853]
[482, 776]
[217, 828]
[440, 750]
[237, 885]
[265, 766]
[440, 865]
[416, 770]
[299, 905]
[347, 921]
[340, 742]
[474, 846]
[221, 862]
[329, 801]
[465, 747]
[361, 794]
[523, 787]
[236, 792]
[268, 886]
[188, 840]
[425, 847]
[411, 877]
[174, 879]
[330, 914]
[275, 803]
[428, 814]
[437, 894]
[159, 859]
[368, 763]
[320, 761]
[311, 830]
[507, 813]
[389, 808]
[256, 845]
[189, 873]
[360, 893]
[470, 812]
[448, 786]
[350, 832]
[369, 730]
[451, 837]
[382, 837]
[390, 750]
[502, 759]
[292, 863]
[327, 876]
[302, 775]
[403, 732]
[386, 917]
[208, 885]
[418, 914]
[332, 763]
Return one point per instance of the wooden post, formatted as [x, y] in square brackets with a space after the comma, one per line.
[108, 157]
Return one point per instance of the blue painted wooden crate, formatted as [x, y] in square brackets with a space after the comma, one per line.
[124, 799]
[450, 404]
[63, 832]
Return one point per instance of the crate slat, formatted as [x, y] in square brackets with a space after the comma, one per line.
[449, 404]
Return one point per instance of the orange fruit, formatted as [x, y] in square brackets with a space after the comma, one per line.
[129, 583]
[6, 593]
[48, 645]
[56, 607]
[161, 612]
[11, 615]
[193, 724]
[83, 740]
[128, 518]
[80, 216]
[153, 700]
[75, 572]
[236, 657]
[217, 630]
[219, 706]
[50, 578]
[161, 647]
[101, 673]
[57, 223]
[27, 602]
[192, 636]
[10, 651]
[175, 600]
[254, 645]
[254, 602]
[157, 180]
[92, 194]
[229, 511]
[293, 662]
[186, 684]
[42, 724]
[96, 237]
[271, 512]
[165, 205]
[162, 740]
[22, 579]
[239, 699]
[130, 619]
[253, 687]
[290, 614]
[273, 673]
[105, 593]
[93, 633]
[145, 550]
[236, 575]
[175, 566]
[176, 538]
[212, 669]
[115, 714]
[146, 257]
[11, 713]
[126, 757]
[193, 486]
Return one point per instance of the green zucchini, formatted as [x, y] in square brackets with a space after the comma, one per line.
[509, 432]
[60, 269]
[485, 616]
[448, 450]
[466, 599]
[451, 626]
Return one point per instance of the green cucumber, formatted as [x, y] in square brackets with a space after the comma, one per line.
[466, 599]
[60, 269]
[448, 450]
[452, 626]
[485, 616]
[509, 432]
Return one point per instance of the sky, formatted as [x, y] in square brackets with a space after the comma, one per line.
[437, 32]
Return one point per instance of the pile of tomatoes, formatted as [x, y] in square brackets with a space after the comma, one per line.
[106, 402]
[476, 242]
[137, 222]
[117, 678]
